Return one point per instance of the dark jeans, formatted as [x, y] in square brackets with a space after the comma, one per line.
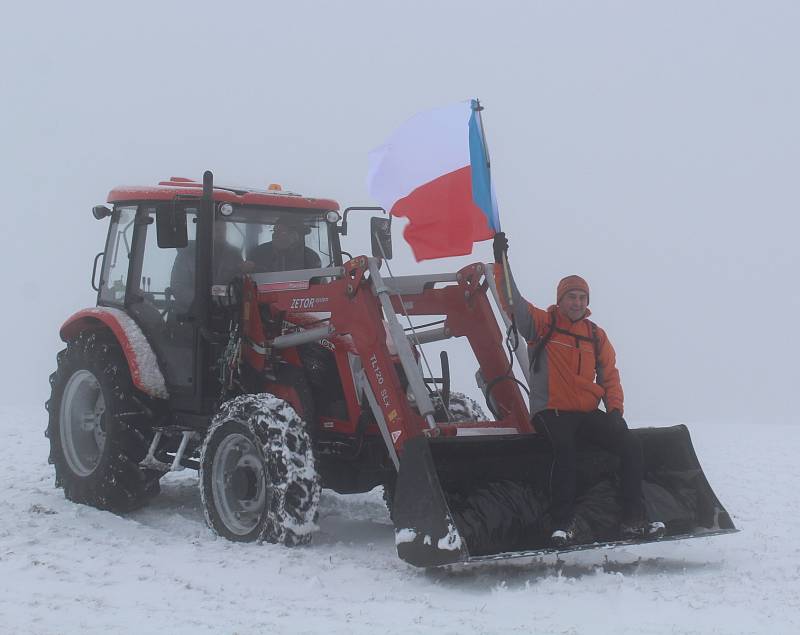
[567, 430]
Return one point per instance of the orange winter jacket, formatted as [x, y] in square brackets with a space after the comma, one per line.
[576, 366]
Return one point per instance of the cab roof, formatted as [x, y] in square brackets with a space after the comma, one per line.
[179, 186]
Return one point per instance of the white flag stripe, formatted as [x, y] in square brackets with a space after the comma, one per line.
[427, 146]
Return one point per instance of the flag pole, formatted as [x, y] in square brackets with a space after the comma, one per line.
[506, 269]
[507, 276]
[478, 109]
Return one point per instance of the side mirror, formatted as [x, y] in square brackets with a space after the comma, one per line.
[100, 212]
[343, 226]
[171, 228]
[380, 229]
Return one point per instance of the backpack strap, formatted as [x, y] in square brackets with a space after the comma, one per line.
[539, 347]
[596, 345]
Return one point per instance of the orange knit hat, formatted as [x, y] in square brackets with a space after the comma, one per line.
[571, 283]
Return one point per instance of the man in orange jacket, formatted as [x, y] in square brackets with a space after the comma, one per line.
[572, 368]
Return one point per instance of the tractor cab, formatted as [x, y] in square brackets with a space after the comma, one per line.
[163, 249]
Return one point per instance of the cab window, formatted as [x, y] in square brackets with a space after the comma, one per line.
[118, 253]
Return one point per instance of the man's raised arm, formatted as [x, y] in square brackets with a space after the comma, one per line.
[525, 314]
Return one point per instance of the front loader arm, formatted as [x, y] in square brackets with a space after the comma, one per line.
[364, 305]
[468, 314]
[356, 311]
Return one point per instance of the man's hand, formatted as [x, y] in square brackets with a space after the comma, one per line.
[500, 246]
[618, 424]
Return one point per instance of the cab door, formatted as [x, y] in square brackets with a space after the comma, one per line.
[159, 297]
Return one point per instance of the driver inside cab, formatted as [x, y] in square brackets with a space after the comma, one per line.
[287, 250]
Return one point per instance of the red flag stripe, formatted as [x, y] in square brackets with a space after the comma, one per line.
[444, 220]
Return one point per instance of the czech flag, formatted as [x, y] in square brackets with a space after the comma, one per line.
[434, 170]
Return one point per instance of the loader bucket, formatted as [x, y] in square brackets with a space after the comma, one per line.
[477, 498]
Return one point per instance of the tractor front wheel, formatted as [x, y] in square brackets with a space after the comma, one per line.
[257, 474]
[464, 408]
[460, 408]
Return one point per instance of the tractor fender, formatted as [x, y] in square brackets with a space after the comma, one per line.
[141, 358]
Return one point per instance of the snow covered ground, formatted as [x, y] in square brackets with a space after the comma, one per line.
[66, 568]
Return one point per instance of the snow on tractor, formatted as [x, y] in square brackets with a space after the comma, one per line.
[276, 372]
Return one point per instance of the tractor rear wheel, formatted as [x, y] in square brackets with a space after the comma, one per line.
[96, 428]
[258, 479]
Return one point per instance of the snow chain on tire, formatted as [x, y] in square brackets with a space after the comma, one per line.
[463, 408]
[100, 433]
[258, 479]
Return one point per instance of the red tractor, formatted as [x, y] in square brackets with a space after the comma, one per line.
[231, 336]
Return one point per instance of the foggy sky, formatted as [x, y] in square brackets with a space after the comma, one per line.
[651, 147]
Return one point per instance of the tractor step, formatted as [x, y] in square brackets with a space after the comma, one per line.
[176, 465]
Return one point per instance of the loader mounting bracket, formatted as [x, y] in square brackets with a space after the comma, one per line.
[469, 278]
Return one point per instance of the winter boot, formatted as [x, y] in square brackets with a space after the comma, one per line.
[565, 534]
[642, 530]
